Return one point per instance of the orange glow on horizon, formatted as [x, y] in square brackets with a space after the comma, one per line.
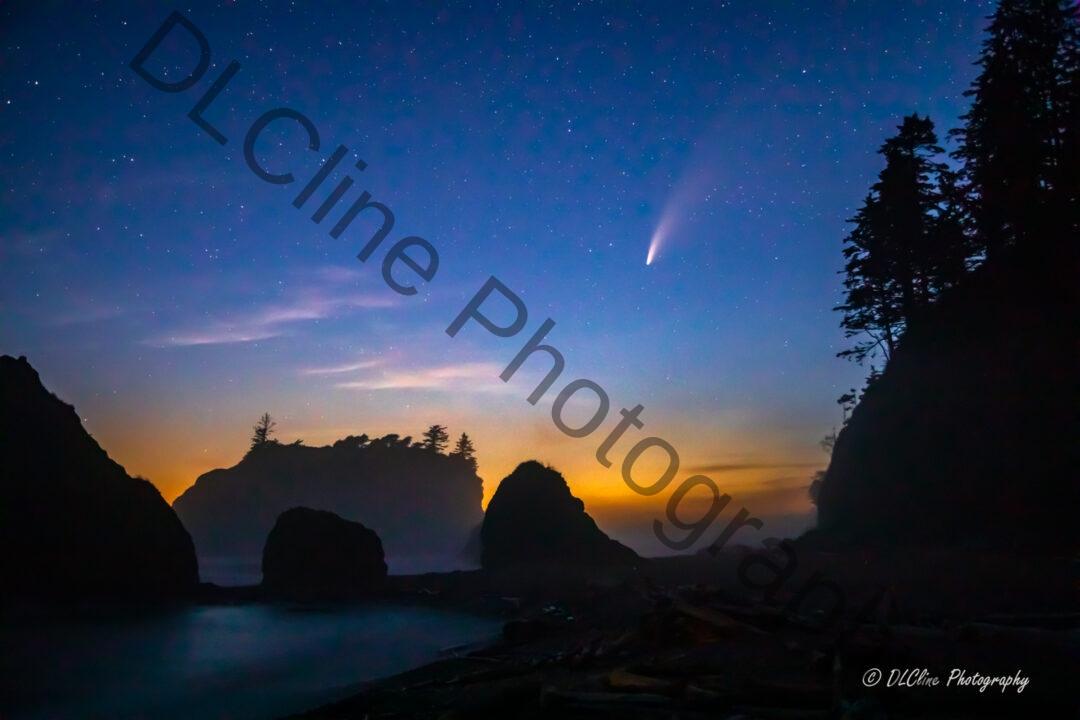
[173, 459]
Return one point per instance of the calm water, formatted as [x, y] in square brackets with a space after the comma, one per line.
[247, 570]
[237, 662]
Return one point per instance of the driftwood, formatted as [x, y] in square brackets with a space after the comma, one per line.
[469, 678]
[552, 697]
[755, 612]
[791, 694]
[779, 713]
[715, 691]
[1049, 621]
[633, 682]
[694, 699]
[715, 619]
[480, 658]
[978, 632]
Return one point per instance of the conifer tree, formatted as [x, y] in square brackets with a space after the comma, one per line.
[907, 197]
[870, 309]
[1019, 141]
[465, 450]
[435, 438]
[907, 243]
[262, 431]
[952, 248]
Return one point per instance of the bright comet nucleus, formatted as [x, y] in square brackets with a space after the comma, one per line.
[687, 201]
[657, 238]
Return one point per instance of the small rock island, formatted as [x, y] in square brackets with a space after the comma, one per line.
[313, 555]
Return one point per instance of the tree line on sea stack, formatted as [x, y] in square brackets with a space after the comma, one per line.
[435, 439]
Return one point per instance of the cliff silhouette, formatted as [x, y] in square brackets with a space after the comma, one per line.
[73, 523]
[970, 434]
[534, 520]
[419, 501]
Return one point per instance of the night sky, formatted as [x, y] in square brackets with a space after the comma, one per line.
[172, 296]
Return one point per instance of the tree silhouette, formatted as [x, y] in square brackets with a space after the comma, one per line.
[998, 349]
[907, 199]
[827, 444]
[870, 308]
[263, 429]
[353, 441]
[435, 438]
[815, 486]
[465, 450]
[1020, 142]
[952, 248]
[909, 242]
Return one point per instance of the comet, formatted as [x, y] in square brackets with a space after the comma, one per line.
[659, 236]
[678, 211]
[688, 200]
[684, 204]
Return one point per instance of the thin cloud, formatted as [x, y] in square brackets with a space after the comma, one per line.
[272, 321]
[335, 274]
[477, 377]
[339, 369]
[719, 468]
[222, 336]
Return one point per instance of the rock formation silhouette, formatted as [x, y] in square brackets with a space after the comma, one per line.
[534, 520]
[317, 555]
[970, 434]
[420, 502]
[73, 523]
[470, 554]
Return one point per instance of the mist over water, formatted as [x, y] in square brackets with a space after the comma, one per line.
[238, 570]
[249, 662]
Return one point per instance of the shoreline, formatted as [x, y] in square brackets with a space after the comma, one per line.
[664, 640]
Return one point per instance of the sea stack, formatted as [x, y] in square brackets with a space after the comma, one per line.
[315, 555]
[533, 520]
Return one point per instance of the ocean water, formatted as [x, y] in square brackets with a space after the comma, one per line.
[233, 570]
[249, 662]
